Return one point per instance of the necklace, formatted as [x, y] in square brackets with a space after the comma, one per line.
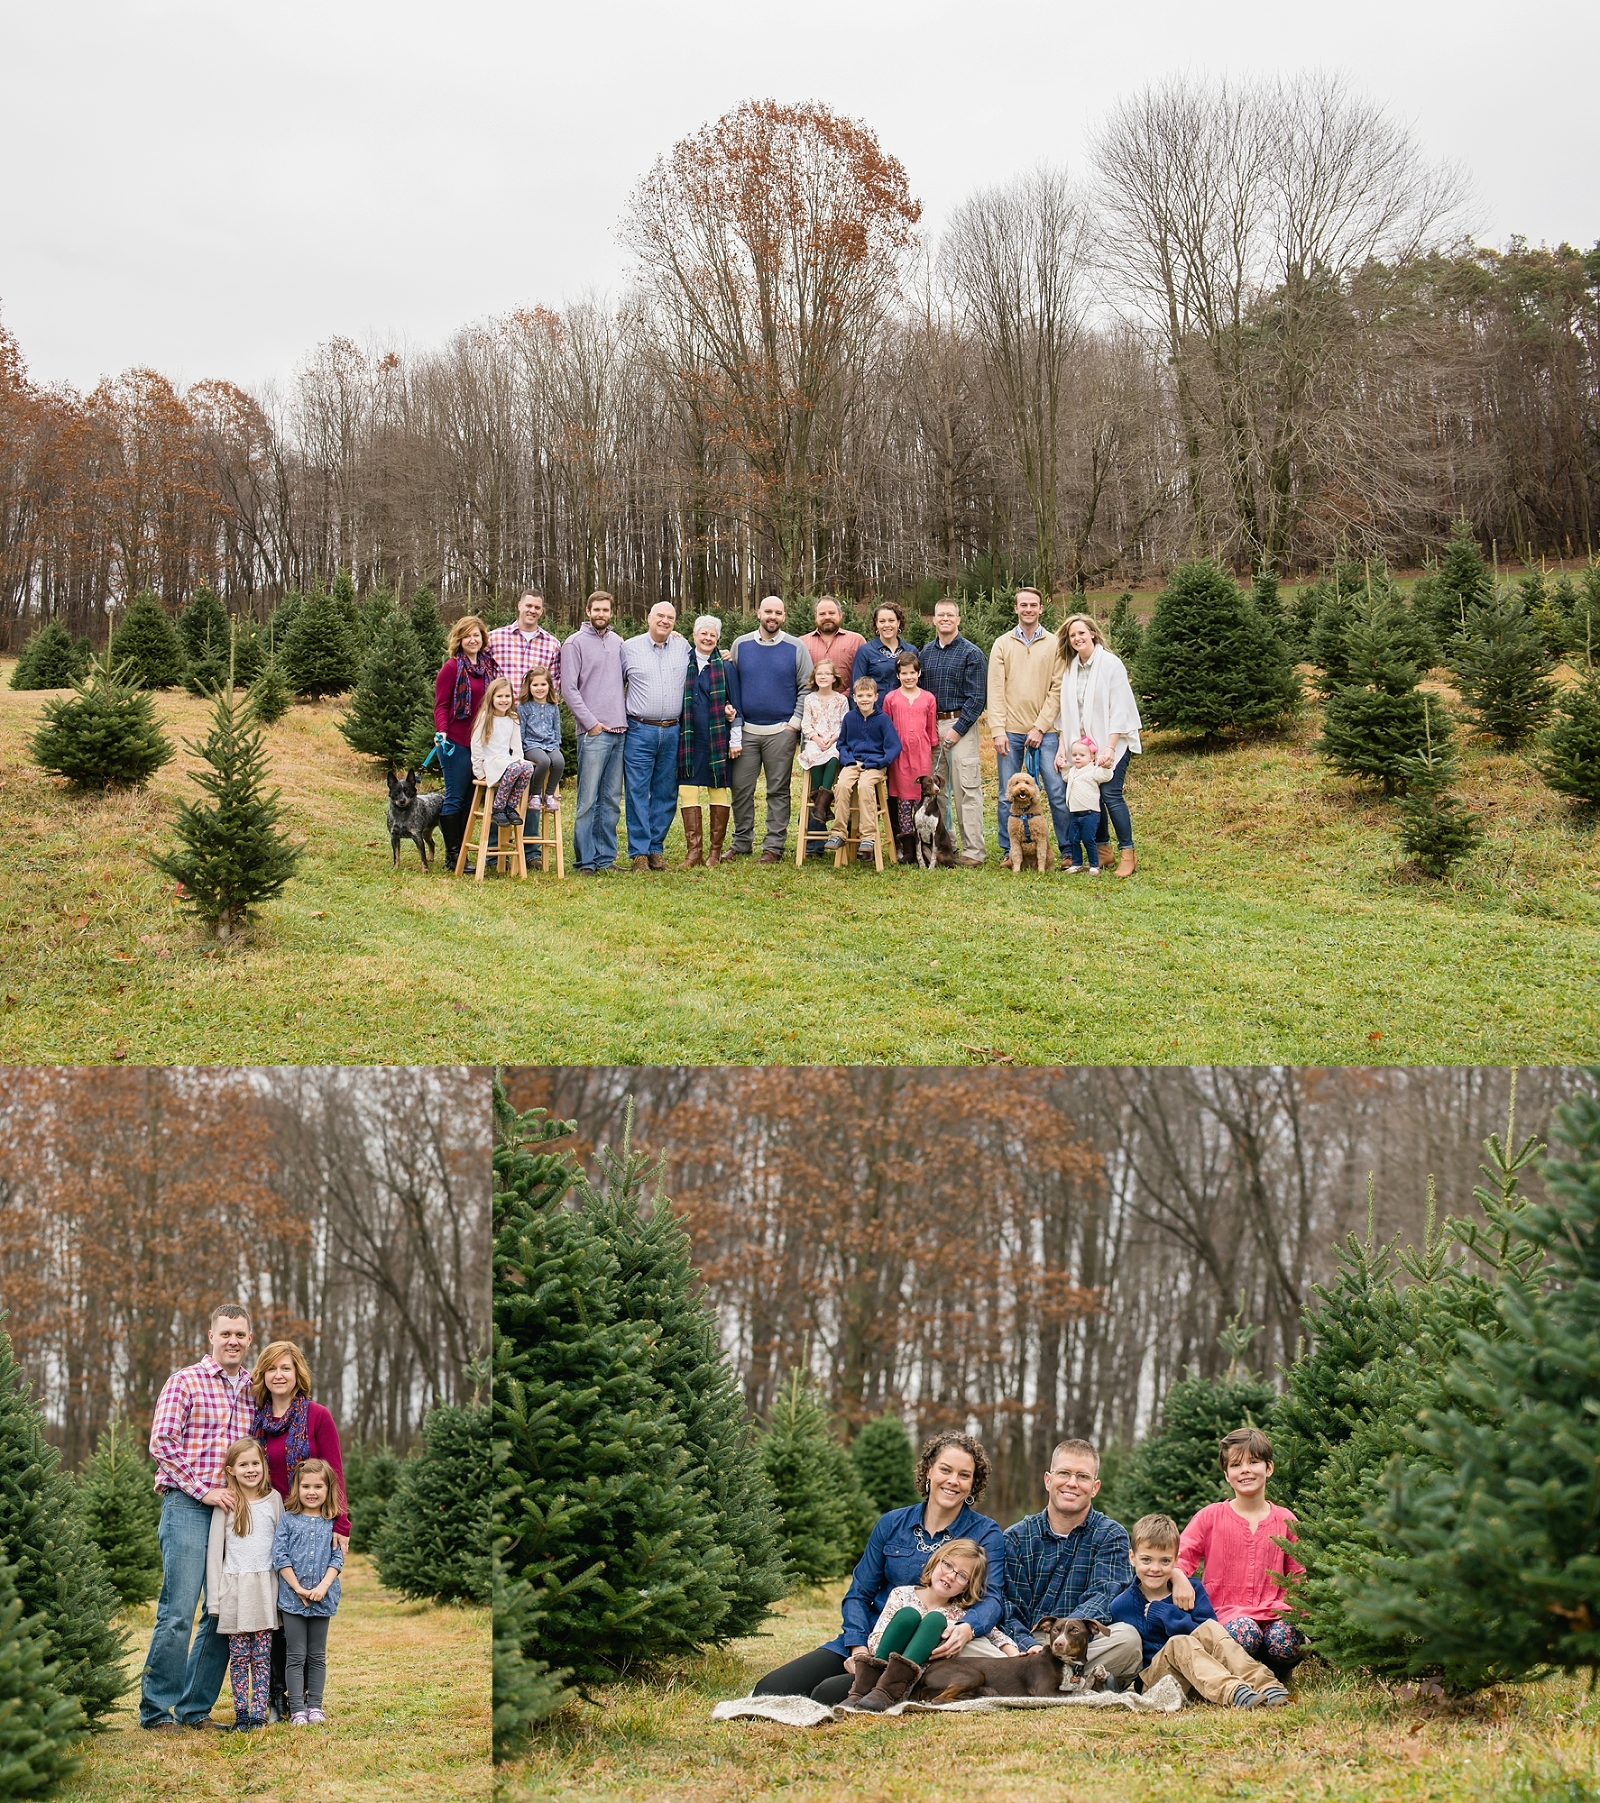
[925, 1545]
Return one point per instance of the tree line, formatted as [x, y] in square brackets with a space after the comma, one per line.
[1036, 1253]
[348, 1209]
[1252, 326]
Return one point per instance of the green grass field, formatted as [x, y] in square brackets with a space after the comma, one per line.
[1337, 1742]
[408, 1713]
[1269, 922]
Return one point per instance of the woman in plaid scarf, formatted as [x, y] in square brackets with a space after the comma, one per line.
[712, 734]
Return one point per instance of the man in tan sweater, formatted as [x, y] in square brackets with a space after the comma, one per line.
[1025, 671]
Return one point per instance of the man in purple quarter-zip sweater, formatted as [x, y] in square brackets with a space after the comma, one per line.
[774, 680]
[592, 686]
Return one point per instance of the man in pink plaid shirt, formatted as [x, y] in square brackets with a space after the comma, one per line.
[201, 1411]
[518, 647]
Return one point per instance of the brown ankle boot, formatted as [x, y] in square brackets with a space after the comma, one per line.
[719, 827]
[1127, 863]
[892, 1687]
[692, 838]
[868, 1672]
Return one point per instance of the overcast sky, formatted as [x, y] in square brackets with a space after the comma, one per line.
[212, 191]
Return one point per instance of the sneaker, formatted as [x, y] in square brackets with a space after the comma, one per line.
[1091, 870]
[974, 860]
[501, 818]
[300, 1719]
[1245, 1698]
[833, 842]
[868, 846]
[315, 1716]
[1274, 1696]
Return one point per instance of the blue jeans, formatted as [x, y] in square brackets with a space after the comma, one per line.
[1054, 783]
[1113, 809]
[594, 828]
[457, 766]
[178, 1679]
[650, 764]
[1080, 845]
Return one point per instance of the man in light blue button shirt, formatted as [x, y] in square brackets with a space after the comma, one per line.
[654, 668]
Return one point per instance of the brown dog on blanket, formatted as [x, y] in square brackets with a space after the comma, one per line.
[1056, 1666]
[1029, 827]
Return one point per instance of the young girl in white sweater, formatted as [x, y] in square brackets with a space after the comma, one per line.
[497, 751]
[241, 1584]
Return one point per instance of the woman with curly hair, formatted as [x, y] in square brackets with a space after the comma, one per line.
[952, 1474]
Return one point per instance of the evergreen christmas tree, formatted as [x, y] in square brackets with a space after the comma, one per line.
[1435, 828]
[1125, 630]
[371, 1474]
[149, 649]
[1176, 1470]
[343, 596]
[820, 1500]
[1269, 604]
[1571, 762]
[434, 1541]
[1376, 717]
[50, 660]
[1209, 660]
[1583, 630]
[121, 1511]
[596, 1514]
[1461, 581]
[318, 652]
[526, 1690]
[105, 734]
[1502, 670]
[249, 653]
[281, 621]
[56, 1571]
[204, 629]
[232, 854]
[393, 702]
[1491, 1568]
[373, 613]
[39, 1726]
[428, 629]
[1325, 610]
[885, 1463]
[270, 696]
[656, 1284]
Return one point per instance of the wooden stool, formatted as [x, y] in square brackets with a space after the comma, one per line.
[508, 851]
[809, 835]
[548, 835]
[846, 854]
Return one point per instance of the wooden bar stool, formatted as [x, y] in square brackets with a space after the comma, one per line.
[846, 854]
[809, 835]
[548, 837]
[508, 849]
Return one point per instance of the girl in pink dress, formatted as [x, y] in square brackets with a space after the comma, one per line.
[1234, 1543]
[916, 719]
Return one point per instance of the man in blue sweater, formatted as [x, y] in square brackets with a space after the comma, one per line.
[774, 680]
[868, 745]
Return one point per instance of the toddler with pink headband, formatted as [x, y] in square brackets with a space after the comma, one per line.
[1084, 777]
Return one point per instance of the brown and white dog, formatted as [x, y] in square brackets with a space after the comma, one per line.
[1057, 1665]
[1029, 827]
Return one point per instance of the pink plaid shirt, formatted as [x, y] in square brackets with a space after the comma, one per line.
[515, 655]
[199, 1414]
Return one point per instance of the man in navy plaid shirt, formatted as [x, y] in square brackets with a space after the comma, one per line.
[1069, 1560]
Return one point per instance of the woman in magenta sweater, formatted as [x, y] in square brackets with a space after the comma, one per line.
[457, 696]
[293, 1428]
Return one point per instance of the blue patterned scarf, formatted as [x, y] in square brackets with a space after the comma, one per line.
[293, 1422]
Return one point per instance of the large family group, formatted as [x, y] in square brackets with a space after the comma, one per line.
[1205, 1604]
[677, 723]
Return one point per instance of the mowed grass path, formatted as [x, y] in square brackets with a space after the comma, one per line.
[408, 1714]
[1266, 923]
[1338, 1741]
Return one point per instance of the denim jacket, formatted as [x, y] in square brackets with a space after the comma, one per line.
[896, 1553]
[306, 1543]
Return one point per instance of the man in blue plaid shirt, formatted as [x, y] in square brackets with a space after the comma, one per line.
[1069, 1560]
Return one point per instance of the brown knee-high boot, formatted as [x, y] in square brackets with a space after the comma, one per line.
[693, 838]
[719, 826]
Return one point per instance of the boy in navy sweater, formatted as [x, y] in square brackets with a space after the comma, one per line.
[1190, 1643]
[868, 745]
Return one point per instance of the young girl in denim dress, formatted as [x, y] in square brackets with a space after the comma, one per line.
[308, 1564]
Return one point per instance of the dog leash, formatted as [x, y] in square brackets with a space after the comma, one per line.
[947, 758]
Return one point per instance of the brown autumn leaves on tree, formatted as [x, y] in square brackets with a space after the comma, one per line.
[1248, 325]
[347, 1209]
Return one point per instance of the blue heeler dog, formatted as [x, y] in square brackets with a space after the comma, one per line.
[412, 816]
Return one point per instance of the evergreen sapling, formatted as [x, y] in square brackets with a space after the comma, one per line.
[1503, 670]
[39, 1725]
[1175, 1469]
[1125, 630]
[121, 1511]
[434, 1541]
[393, 702]
[1209, 660]
[1435, 827]
[1376, 718]
[103, 735]
[51, 659]
[270, 696]
[149, 649]
[886, 1462]
[428, 629]
[207, 642]
[526, 1690]
[820, 1500]
[318, 649]
[1571, 761]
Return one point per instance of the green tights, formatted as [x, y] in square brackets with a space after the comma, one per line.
[913, 1635]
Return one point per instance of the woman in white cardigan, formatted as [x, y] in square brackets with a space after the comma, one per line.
[1097, 700]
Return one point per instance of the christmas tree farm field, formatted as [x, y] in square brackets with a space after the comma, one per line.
[1272, 920]
[1339, 1741]
[408, 1715]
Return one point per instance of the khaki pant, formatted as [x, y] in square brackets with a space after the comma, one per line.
[873, 785]
[966, 786]
[1209, 1661]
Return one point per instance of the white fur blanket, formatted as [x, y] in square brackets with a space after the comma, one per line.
[1163, 1698]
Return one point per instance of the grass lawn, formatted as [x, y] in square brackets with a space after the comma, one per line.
[408, 1712]
[1337, 1740]
[1268, 922]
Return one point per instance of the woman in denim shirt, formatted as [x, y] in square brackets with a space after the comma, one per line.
[952, 1474]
